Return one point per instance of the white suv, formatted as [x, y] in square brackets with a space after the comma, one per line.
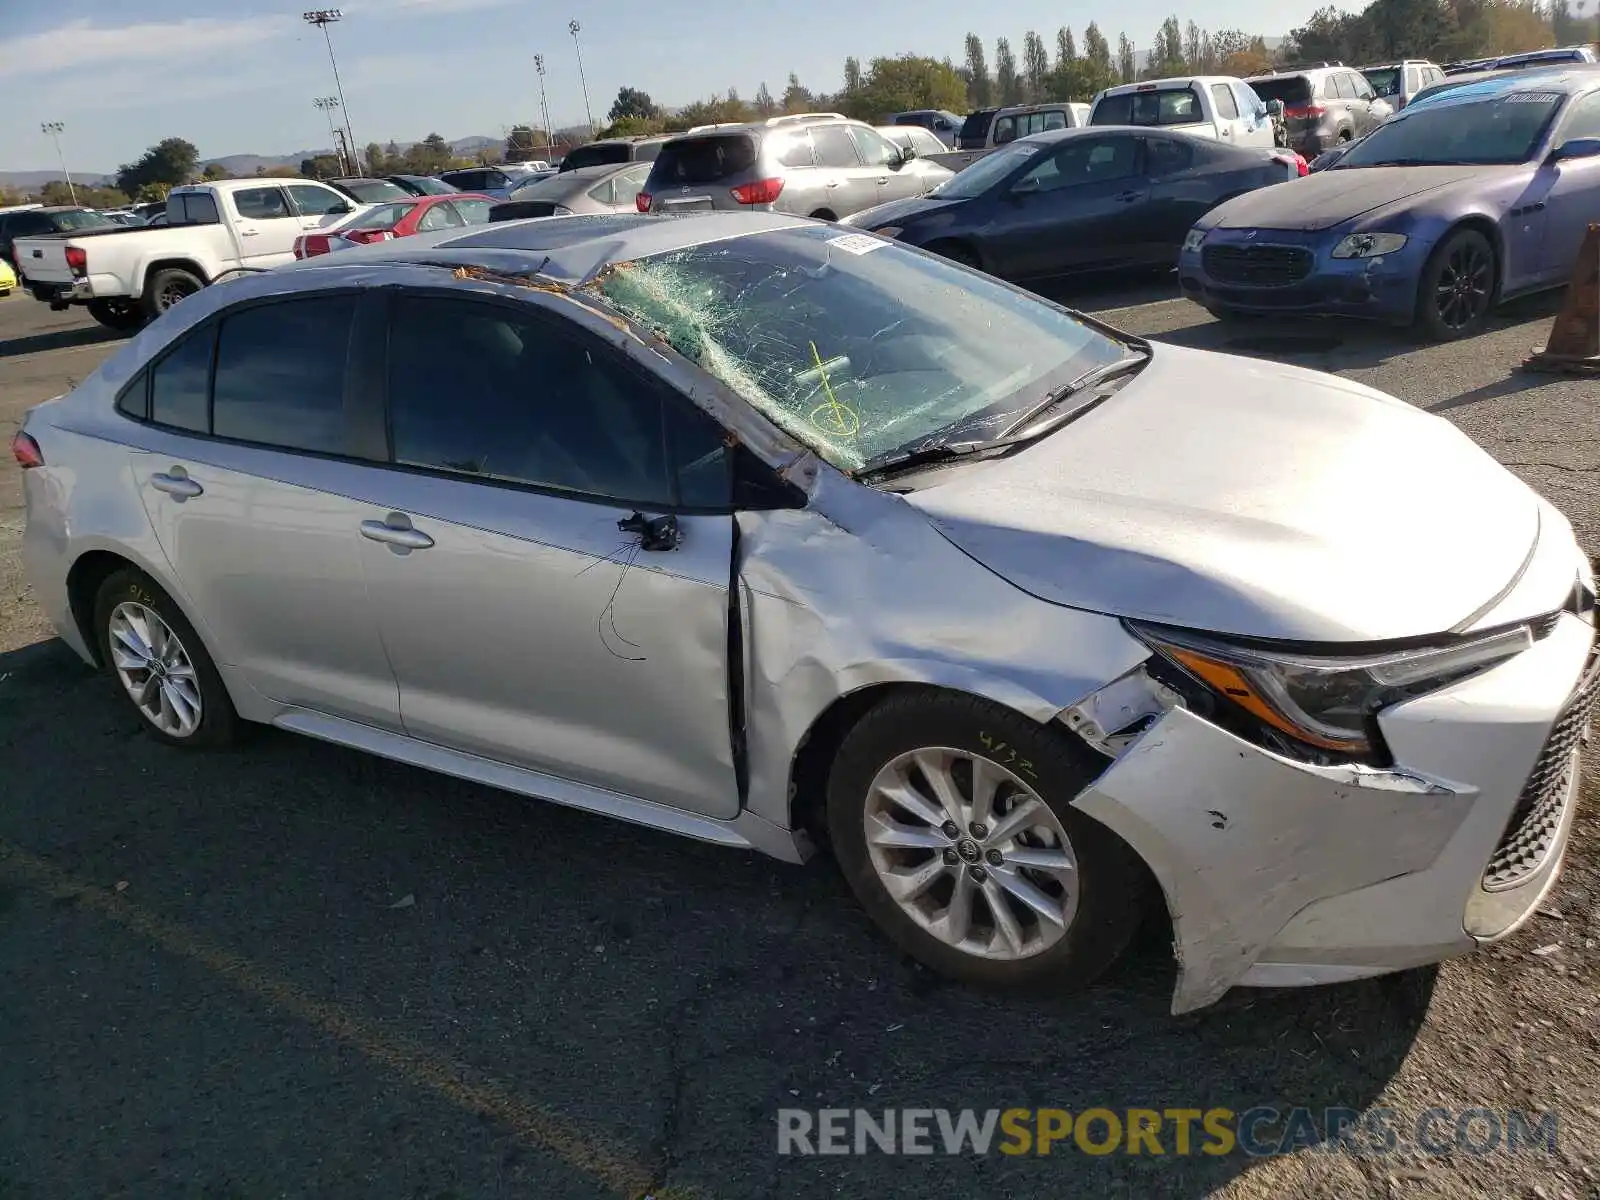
[1213, 106]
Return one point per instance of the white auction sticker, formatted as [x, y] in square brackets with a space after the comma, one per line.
[857, 243]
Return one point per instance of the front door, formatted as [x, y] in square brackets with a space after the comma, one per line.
[261, 535]
[266, 225]
[535, 605]
[893, 183]
[1574, 196]
[1073, 210]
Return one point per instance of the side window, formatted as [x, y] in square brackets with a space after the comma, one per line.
[1167, 156]
[1082, 162]
[480, 390]
[626, 185]
[1005, 130]
[316, 201]
[260, 204]
[1363, 88]
[1341, 87]
[794, 150]
[834, 147]
[294, 399]
[1413, 81]
[1055, 118]
[1584, 119]
[875, 149]
[179, 383]
[496, 179]
[1250, 104]
[472, 212]
[1222, 97]
[134, 399]
[194, 208]
[602, 192]
[439, 216]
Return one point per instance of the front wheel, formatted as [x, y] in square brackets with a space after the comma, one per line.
[121, 315]
[951, 818]
[1457, 288]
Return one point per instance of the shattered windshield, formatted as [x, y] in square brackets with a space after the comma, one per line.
[855, 345]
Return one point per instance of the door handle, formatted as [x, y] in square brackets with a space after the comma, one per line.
[832, 183]
[248, 232]
[176, 483]
[883, 179]
[396, 531]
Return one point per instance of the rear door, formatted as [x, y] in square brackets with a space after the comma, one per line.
[1180, 194]
[246, 476]
[265, 224]
[1075, 209]
[848, 183]
[523, 454]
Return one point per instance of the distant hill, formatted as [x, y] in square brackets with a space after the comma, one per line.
[31, 180]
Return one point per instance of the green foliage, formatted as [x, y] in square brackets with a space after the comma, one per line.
[798, 99]
[892, 85]
[980, 88]
[166, 164]
[1007, 83]
[1035, 67]
[631, 102]
[1165, 57]
[322, 166]
[56, 191]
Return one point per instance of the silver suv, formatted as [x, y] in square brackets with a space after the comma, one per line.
[811, 165]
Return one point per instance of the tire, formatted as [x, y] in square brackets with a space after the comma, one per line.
[1456, 293]
[4, 292]
[168, 287]
[122, 315]
[130, 602]
[823, 214]
[957, 253]
[1098, 904]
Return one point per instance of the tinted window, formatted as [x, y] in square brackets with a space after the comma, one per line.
[69, 222]
[875, 150]
[280, 374]
[318, 201]
[598, 154]
[833, 146]
[1157, 106]
[1086, 160]
[976, 126]
[134, 399]
[1583, 121]
[474, 212]
[260, 204]
[374, 191]
[27, 225]
[192, 208]
[467, 181]
[1222, 97]
[479, 390]
[178, 384]
[1165, 157]
[709, 159]
[1292, 89]
[1005, 130]
[1385, 81]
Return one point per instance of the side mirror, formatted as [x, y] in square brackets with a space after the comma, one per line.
[907, 153]
[1023, 187]
[1275, 109]
[1588, 147]
[340, 210]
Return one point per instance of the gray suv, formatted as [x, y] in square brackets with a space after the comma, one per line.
[1323, 105]
[812, 165]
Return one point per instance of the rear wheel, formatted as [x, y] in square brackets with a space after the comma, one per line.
[952, 820]
[1458, 287]
[121, 315]
[167, 288]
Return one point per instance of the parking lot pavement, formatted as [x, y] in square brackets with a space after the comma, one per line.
[293, 970]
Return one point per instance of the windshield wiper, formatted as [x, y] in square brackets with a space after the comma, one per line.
[893, 461]
[1093, 377]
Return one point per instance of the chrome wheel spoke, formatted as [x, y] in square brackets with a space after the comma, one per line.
[986, 781]
[956, 921]
[1053, 862]
[911, 882]
[155, 669]
[935, 769]
[1024, 812]
[890, 832]
[1018, 886]
[912, 801]
[1005, 921]
[148, 690]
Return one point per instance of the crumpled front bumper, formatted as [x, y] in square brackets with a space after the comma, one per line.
[1277, 872]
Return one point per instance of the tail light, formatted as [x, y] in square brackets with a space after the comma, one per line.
[762, 191]
[1305, 112]
[1290, 159]
[310, 245]
[77, 260]
[26, 451]
[642, 201]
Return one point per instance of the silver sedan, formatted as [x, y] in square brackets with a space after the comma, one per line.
[762, 531]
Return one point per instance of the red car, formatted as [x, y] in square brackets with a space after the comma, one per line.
[402, 218]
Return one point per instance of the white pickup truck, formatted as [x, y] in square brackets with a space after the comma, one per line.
[127, 276]
[1212, 106]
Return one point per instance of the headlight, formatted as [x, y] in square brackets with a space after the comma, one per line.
[1323, 701]
[1369, 245]
[1192, 239]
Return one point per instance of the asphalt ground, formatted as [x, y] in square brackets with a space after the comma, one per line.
[296, 971]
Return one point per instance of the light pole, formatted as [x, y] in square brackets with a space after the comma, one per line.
[322, 18]
[55, 129]
[573, 28]
[544, 106]
[326, 104]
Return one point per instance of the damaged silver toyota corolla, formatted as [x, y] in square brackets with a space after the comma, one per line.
[741, 526]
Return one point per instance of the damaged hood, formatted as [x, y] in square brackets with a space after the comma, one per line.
[1332, 197]
[1249, 498]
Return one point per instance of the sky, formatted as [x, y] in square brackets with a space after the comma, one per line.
[239, 76]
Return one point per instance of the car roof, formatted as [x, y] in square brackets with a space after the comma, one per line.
[1567, 78]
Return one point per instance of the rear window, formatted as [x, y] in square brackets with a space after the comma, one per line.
[71, 222]
[1385, 81]
[700, 160]
[192, 208]
[376, 191]
[976, 125]
[1293, 89]
[1158, 106]
[597, 154]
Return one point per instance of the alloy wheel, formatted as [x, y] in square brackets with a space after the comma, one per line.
[156, 670]
[971, 853]
[1462, 293]
[173, 292]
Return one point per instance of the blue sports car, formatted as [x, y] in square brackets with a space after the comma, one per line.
[1429, 221]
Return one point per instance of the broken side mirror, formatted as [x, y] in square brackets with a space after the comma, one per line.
[654, 533]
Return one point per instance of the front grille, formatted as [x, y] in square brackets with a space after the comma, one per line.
[1531, 832]
[1257, 266]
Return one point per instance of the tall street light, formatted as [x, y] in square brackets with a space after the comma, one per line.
[544, 106]
[326, 104]
[573, 28]
[322, 18]
[55, 129]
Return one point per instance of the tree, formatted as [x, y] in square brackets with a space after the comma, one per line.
[1250, 58]
[980, 88]
[631, 102]
[1067, 77]
[379, 162]
[899, 84]
[1007, 84]
[321, 166]
[520, 144]
[1197, 50]
[1127, 69]
[1098, 73]
[852, 75]
[214, 172]
[1035, 67]
[429, 156]
[1165, 58]
[796, 98]
[764, 104]
[168, 163]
